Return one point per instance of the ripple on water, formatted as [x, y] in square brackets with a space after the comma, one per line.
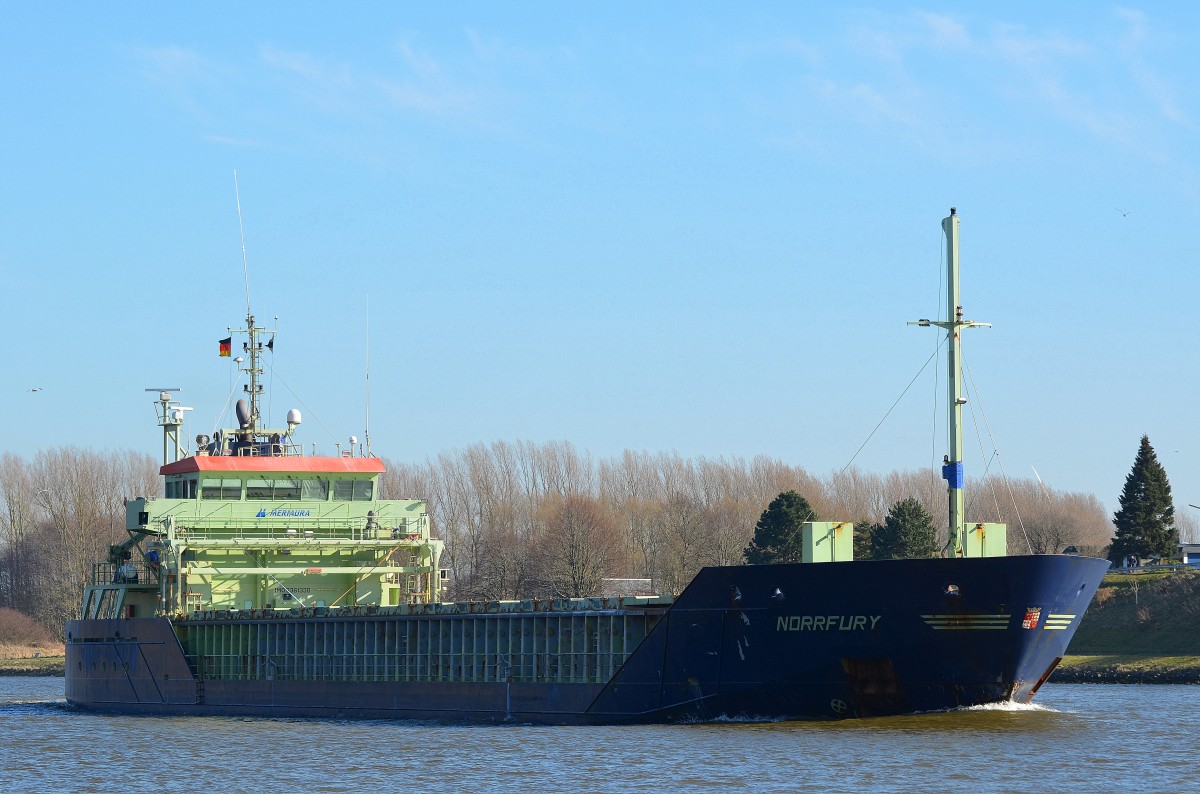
[1075, 738]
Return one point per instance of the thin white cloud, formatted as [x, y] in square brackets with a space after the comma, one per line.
[236, 143]
[186, 75]
[1033, 51]
[425, 84]
[869, 103]
[885, 71]
[946, 32]
[175, 65]
[495, 50]
[330, 88]
[1038, 68]
[414, 83]
[1079, 82]
[1137, 40]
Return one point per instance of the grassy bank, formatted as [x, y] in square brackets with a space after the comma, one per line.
[39, 659]
[1127, 669]
[1152, 613]
[40, 665]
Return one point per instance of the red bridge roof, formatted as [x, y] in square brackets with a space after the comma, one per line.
[298, 464]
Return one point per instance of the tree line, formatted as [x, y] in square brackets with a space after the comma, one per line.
[510, 514]
[525, 519]
[58, 515]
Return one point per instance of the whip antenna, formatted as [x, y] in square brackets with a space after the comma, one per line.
[367, 379]
[242, 232]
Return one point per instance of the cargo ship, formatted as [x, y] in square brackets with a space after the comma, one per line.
[269, 582]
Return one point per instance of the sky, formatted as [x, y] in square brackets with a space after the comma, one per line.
[678, 227]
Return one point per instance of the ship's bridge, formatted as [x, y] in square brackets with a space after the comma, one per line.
[285, 479]
[253, 532]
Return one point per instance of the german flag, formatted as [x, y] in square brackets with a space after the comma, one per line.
[226, 346]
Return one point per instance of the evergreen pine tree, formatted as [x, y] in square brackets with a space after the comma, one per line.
[777, 535]
[907, 532]
[1145, 521]
[863, 531]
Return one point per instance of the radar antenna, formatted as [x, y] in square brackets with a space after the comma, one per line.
[170, 419]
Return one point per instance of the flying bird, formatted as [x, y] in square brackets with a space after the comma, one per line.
[1124, 213]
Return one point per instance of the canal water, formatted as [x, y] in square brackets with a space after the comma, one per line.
[1079, 737]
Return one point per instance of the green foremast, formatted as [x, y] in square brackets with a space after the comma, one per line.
[983, 539]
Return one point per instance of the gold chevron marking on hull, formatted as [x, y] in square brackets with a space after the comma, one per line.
[1058, 622]
[967, 622]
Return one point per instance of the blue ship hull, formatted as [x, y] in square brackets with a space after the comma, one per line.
[805, 641]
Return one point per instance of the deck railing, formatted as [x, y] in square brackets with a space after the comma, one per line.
[128, 573]
[292, 528]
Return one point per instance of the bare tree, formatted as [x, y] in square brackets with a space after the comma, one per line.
[60, 515]
[580, 546]
[630, 487]
[19, 514]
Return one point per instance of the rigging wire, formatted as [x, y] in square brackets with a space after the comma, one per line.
[935, 356]
[983, 456]
[996, 453]
[228, 398]
[310, 412]
[933, 431]
[889, 411]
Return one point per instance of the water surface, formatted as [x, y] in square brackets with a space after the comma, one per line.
[1079, 737]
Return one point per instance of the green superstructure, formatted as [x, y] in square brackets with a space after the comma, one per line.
[249, 523]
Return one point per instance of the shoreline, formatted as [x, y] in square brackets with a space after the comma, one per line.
[1111, 669]
[1127, 669]
[51, 666]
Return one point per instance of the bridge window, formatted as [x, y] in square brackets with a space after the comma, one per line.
[181, 489]
[314, 490]
[258, 489]
[286, 490]
[353, 490]
[220, 488]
